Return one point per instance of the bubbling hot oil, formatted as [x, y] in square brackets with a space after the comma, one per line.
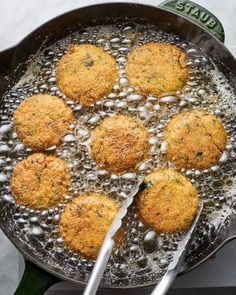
[144, 255]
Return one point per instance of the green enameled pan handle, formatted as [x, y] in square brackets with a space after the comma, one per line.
[197, 14]
[35, 281]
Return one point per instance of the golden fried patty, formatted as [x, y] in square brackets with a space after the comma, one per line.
[157, 68]
[86, 73]
[195, 140]
[168, 202]
[85, 221]
[41, 121]
[40, 182]
[119, 144]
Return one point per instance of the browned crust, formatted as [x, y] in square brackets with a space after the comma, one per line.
[157, 68]
[195, 140]
[85, 221]
[169, 202]
[86, 73]
[40, 182]
[120, 143]
[41, 121]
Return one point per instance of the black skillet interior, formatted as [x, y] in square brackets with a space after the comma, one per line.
[14, 62]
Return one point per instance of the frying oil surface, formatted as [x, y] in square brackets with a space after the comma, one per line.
[144, 255]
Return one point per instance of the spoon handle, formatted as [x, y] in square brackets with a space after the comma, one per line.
[169, 277]
[99, 267]
[178, 259]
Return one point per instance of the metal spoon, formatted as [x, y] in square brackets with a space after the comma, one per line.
[108, 244]
[178, 259]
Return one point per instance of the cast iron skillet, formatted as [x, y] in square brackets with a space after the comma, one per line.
[184, 18]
